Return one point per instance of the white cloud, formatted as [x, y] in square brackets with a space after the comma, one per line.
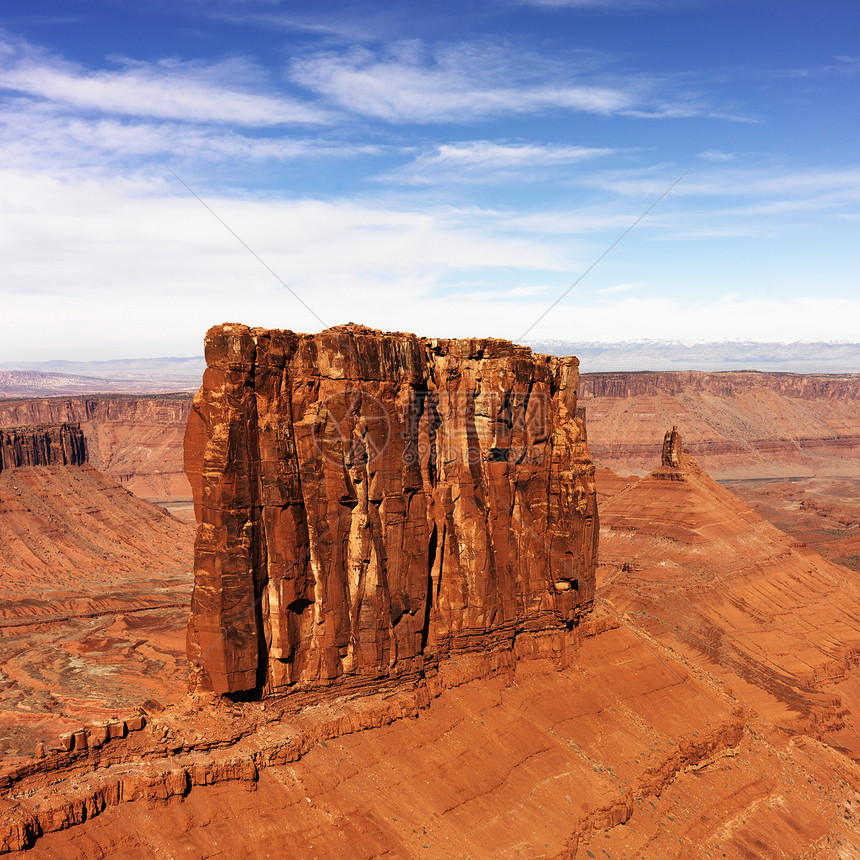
[483, 160]
[753, 181]
[145, 271]
[754, 201]
[805, 318]
[143, 265]
[227, 92]
[534, 290]
[717, 155]
[458, 84]
[33, 136]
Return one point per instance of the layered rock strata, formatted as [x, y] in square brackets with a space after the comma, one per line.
[369, 502]
[738, 425]
[42, 445]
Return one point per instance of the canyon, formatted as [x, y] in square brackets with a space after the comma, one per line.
[134, 440]
[446, 676]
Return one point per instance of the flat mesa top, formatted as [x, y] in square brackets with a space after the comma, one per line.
[486, 347]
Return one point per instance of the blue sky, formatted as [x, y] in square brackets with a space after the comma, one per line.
[445, 168]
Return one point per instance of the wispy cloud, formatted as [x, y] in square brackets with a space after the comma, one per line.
[143, 245]
[766, 184]
[362, 24]
[225, 92]
[485, 160]
[456, 84]
[37, 136]
[148, 246]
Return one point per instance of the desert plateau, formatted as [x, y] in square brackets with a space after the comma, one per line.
[446, 598]
[552, 552]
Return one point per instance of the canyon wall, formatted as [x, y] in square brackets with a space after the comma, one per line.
[738, 425]
[369, 502]
[42, 445]
[134, 440]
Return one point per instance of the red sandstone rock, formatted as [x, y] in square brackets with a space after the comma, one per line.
[94, 592]
[368, 502]
[116, 729]
[823, 513]
[42, 445]
[655, 729]
[97, 735]
[135, 723]
[672, 448]
[688, 560]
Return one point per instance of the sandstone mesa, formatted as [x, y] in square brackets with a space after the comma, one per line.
[370, 502]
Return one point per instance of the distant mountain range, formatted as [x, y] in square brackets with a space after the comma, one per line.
[807, 357]
[155, 375]
[137, 376]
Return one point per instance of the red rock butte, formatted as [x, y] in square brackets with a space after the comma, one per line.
[370, 502]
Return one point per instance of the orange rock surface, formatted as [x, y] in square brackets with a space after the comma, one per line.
[737, 424]
[600, 741]
[823, 513]
[370, 502]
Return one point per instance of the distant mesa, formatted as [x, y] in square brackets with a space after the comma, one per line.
[737, 424]
[133, 439]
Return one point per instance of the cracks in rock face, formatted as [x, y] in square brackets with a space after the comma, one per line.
[432, 548]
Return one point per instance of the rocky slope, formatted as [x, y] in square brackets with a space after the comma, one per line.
[736, 424]
[94, 591]
[135, 441]
[693, 565]
[601, 741]
[370, 502]
[823, 513]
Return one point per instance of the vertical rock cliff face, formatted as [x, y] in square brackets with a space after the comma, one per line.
[42, 445]
[369, 502]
